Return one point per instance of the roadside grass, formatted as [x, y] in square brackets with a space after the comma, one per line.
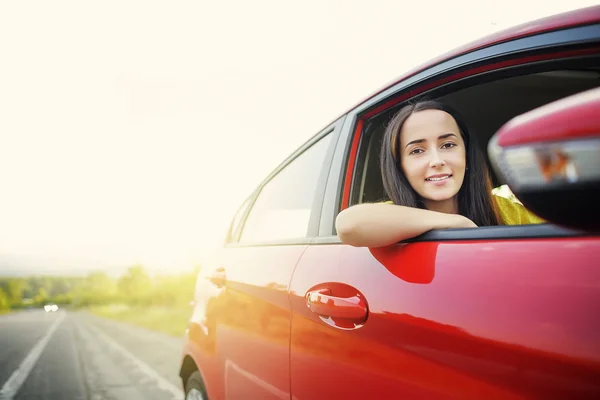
[169, 320]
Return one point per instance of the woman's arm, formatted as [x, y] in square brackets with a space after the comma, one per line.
[377, 225]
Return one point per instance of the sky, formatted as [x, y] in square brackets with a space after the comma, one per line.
[131, 130]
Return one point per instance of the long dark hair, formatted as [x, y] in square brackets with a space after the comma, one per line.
[475, 195]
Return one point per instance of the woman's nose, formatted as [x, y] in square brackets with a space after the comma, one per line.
[436, 161]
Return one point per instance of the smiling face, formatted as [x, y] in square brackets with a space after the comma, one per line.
[433, 158]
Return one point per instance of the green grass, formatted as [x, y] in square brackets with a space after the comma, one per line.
[172, 321]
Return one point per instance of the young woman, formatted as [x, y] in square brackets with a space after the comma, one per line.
[436, 178]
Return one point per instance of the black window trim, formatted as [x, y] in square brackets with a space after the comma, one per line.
[586, 34]
[332, 129]
[485, 233]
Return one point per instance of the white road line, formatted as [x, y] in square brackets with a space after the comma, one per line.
[138, 330]
[12, 385]
[145, 368]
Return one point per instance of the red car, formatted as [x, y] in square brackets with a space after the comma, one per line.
[287, 311]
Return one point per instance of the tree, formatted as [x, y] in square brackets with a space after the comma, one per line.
[100, 284]
[41, 297]
[4, 301]
[14, 290]
[59, 286]
[135, 284]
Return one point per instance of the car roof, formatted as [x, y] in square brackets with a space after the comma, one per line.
[583, 16]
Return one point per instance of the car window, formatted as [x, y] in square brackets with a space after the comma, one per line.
[532, 89]
[282, 209]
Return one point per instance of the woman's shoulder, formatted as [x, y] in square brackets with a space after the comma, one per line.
[513, 212]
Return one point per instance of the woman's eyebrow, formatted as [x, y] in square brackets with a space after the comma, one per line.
[447, 135]
[444, 136]
[414, 141]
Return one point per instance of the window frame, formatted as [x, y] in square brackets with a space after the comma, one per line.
[332, 129]
[233, 233]
[507, 57]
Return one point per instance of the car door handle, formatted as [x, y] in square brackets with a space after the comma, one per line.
[218, 278]
[322, 303]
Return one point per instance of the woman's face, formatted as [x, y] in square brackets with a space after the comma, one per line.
[433, 158]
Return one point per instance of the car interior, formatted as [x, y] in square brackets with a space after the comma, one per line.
[484, 106]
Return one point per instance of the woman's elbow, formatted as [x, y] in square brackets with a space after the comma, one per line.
[357, 226]
[348, 229]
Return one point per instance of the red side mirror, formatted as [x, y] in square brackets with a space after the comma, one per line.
[550, 159]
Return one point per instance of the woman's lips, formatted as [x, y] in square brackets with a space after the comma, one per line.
[438, 180]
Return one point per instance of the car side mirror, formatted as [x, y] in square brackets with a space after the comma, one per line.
[550, 159]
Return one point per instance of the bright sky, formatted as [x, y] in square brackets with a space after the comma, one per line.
[130, 130]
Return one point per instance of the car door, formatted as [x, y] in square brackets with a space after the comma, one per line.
[247, 315]
[507, 312]
[459, 319]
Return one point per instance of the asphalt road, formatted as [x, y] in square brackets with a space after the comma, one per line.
[64, 355]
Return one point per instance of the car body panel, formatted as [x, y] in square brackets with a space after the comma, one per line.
[457, 320]
[241, 325]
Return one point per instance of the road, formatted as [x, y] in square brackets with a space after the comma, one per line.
[74, 355]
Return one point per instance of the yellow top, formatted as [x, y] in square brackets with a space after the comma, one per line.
[514, 213]
[511, 212]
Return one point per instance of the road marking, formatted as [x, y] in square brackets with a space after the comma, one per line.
[145, 368]
[138, 330]
[12, 385]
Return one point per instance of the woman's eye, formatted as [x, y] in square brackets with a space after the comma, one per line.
[416, 151]
[448, 145]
